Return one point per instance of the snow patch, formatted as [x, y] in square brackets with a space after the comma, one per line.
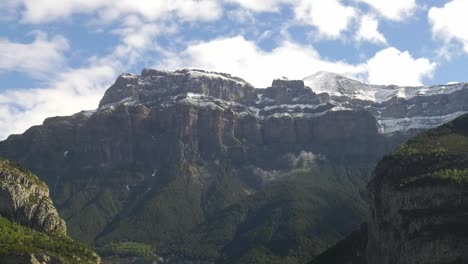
[194, 73]
[392, 125]
[338, 85]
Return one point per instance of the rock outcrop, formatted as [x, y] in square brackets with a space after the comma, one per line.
[25, 199]
[31, 230]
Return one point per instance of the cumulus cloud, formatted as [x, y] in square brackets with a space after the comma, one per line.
[39, 11]
[330, 17]
[295, 61]
[72, 91]
[260, 5]
[392, 66]
[449, 22]
[252, 63]
[392, 9]
[44, 54]
[369, 30]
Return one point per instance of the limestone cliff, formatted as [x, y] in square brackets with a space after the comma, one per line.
[31, 230]
[25, 199]
[419, 200]
[167, 154]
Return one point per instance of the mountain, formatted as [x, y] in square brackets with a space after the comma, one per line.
[31, 231]
[203, 167]
[350, 250]
[396, 108]
[418, 200]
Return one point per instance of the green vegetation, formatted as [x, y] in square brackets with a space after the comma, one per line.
[291, 221]
[457, 176]
[452, 175]
[130, 249]
[412, 150]
[17, 239]
[439, 155]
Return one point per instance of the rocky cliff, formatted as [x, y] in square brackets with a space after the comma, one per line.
[31, 231]
[169, 154]
[418, 200]
[25, 199]
[396, 108]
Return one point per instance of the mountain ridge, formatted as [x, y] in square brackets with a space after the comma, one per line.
[175, 151]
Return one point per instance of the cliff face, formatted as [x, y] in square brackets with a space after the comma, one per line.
[25, 199]
[31, 231]
[168, 154]
[418, 200]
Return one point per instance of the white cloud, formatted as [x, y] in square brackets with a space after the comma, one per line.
[392, 9]
[38, 11]
[72, 91]
[43, 55]
[392, 66]
[388, 66]
[260, 5]
[369, 30]
[138, 35]
[330, 17]
[449, 22]
[253, 64]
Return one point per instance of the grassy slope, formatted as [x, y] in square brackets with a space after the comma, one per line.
[434, 157]
[16, 239]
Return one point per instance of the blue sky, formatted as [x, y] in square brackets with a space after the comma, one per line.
[58, 57]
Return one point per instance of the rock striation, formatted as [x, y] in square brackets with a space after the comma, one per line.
[31, 229]
[25, 199]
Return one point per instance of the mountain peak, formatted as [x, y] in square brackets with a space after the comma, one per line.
[334, 84]
[154, 86]
[325, 75]
[340, 86]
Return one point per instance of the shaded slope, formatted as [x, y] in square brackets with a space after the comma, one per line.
[418, 200]
[288, 222]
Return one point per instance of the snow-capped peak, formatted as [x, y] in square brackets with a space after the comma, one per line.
[338, 85]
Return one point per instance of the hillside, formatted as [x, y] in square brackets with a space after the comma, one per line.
[418, 198]
[418, 204]
[30, 229]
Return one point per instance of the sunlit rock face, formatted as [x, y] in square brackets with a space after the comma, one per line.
[25, 199]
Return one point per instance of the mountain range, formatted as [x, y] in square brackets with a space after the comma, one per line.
[202, 167]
